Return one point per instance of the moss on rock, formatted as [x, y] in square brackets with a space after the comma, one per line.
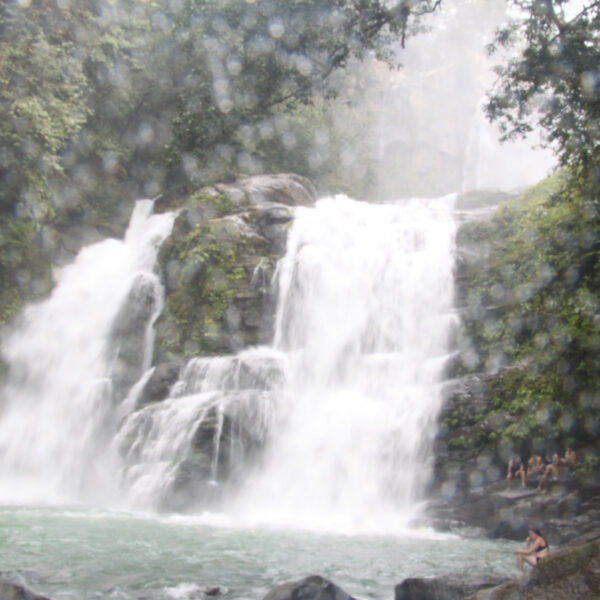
[208, 272]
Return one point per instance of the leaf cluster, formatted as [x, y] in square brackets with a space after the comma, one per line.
[552, 81]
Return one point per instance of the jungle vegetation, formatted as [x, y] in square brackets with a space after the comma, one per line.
[533, 292]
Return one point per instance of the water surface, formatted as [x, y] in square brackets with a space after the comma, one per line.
[84, 555]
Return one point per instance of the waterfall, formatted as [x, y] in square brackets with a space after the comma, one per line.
[58, 413]
[329, 428]
[364, 319]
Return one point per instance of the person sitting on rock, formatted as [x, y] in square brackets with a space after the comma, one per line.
[516, 467]
[537, 549]
[552, 471]
[535, 465]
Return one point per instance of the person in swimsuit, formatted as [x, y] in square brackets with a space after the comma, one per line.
[536, 550]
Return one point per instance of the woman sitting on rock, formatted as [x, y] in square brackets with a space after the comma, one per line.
[537, 548]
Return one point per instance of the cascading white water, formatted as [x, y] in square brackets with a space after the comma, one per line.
[157, 440]
[365, 315]
[346, 399]
[58, 413]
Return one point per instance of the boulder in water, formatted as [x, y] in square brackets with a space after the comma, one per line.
[447, 587]
[12, 591]
[313, 587]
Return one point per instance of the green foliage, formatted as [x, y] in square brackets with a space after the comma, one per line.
[252, 71]
[534, 300]
[102, 102]
[212, 206]
[25, 269]
[553, 80]
[41, 107]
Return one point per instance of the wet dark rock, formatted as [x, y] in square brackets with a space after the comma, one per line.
[13, 591]
[565, 514]
[127, 338]
[273, 223]
[447, 587]
[157, 388]
[313, 587]
[224, 443]
[212, 591]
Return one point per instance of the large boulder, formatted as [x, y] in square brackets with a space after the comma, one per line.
[219, 262]
[447, 587]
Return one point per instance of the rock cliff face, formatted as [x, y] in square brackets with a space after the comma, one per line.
[464, 460]
[218, 264]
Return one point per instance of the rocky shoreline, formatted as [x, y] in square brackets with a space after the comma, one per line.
[571, 572]
[569, 513]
